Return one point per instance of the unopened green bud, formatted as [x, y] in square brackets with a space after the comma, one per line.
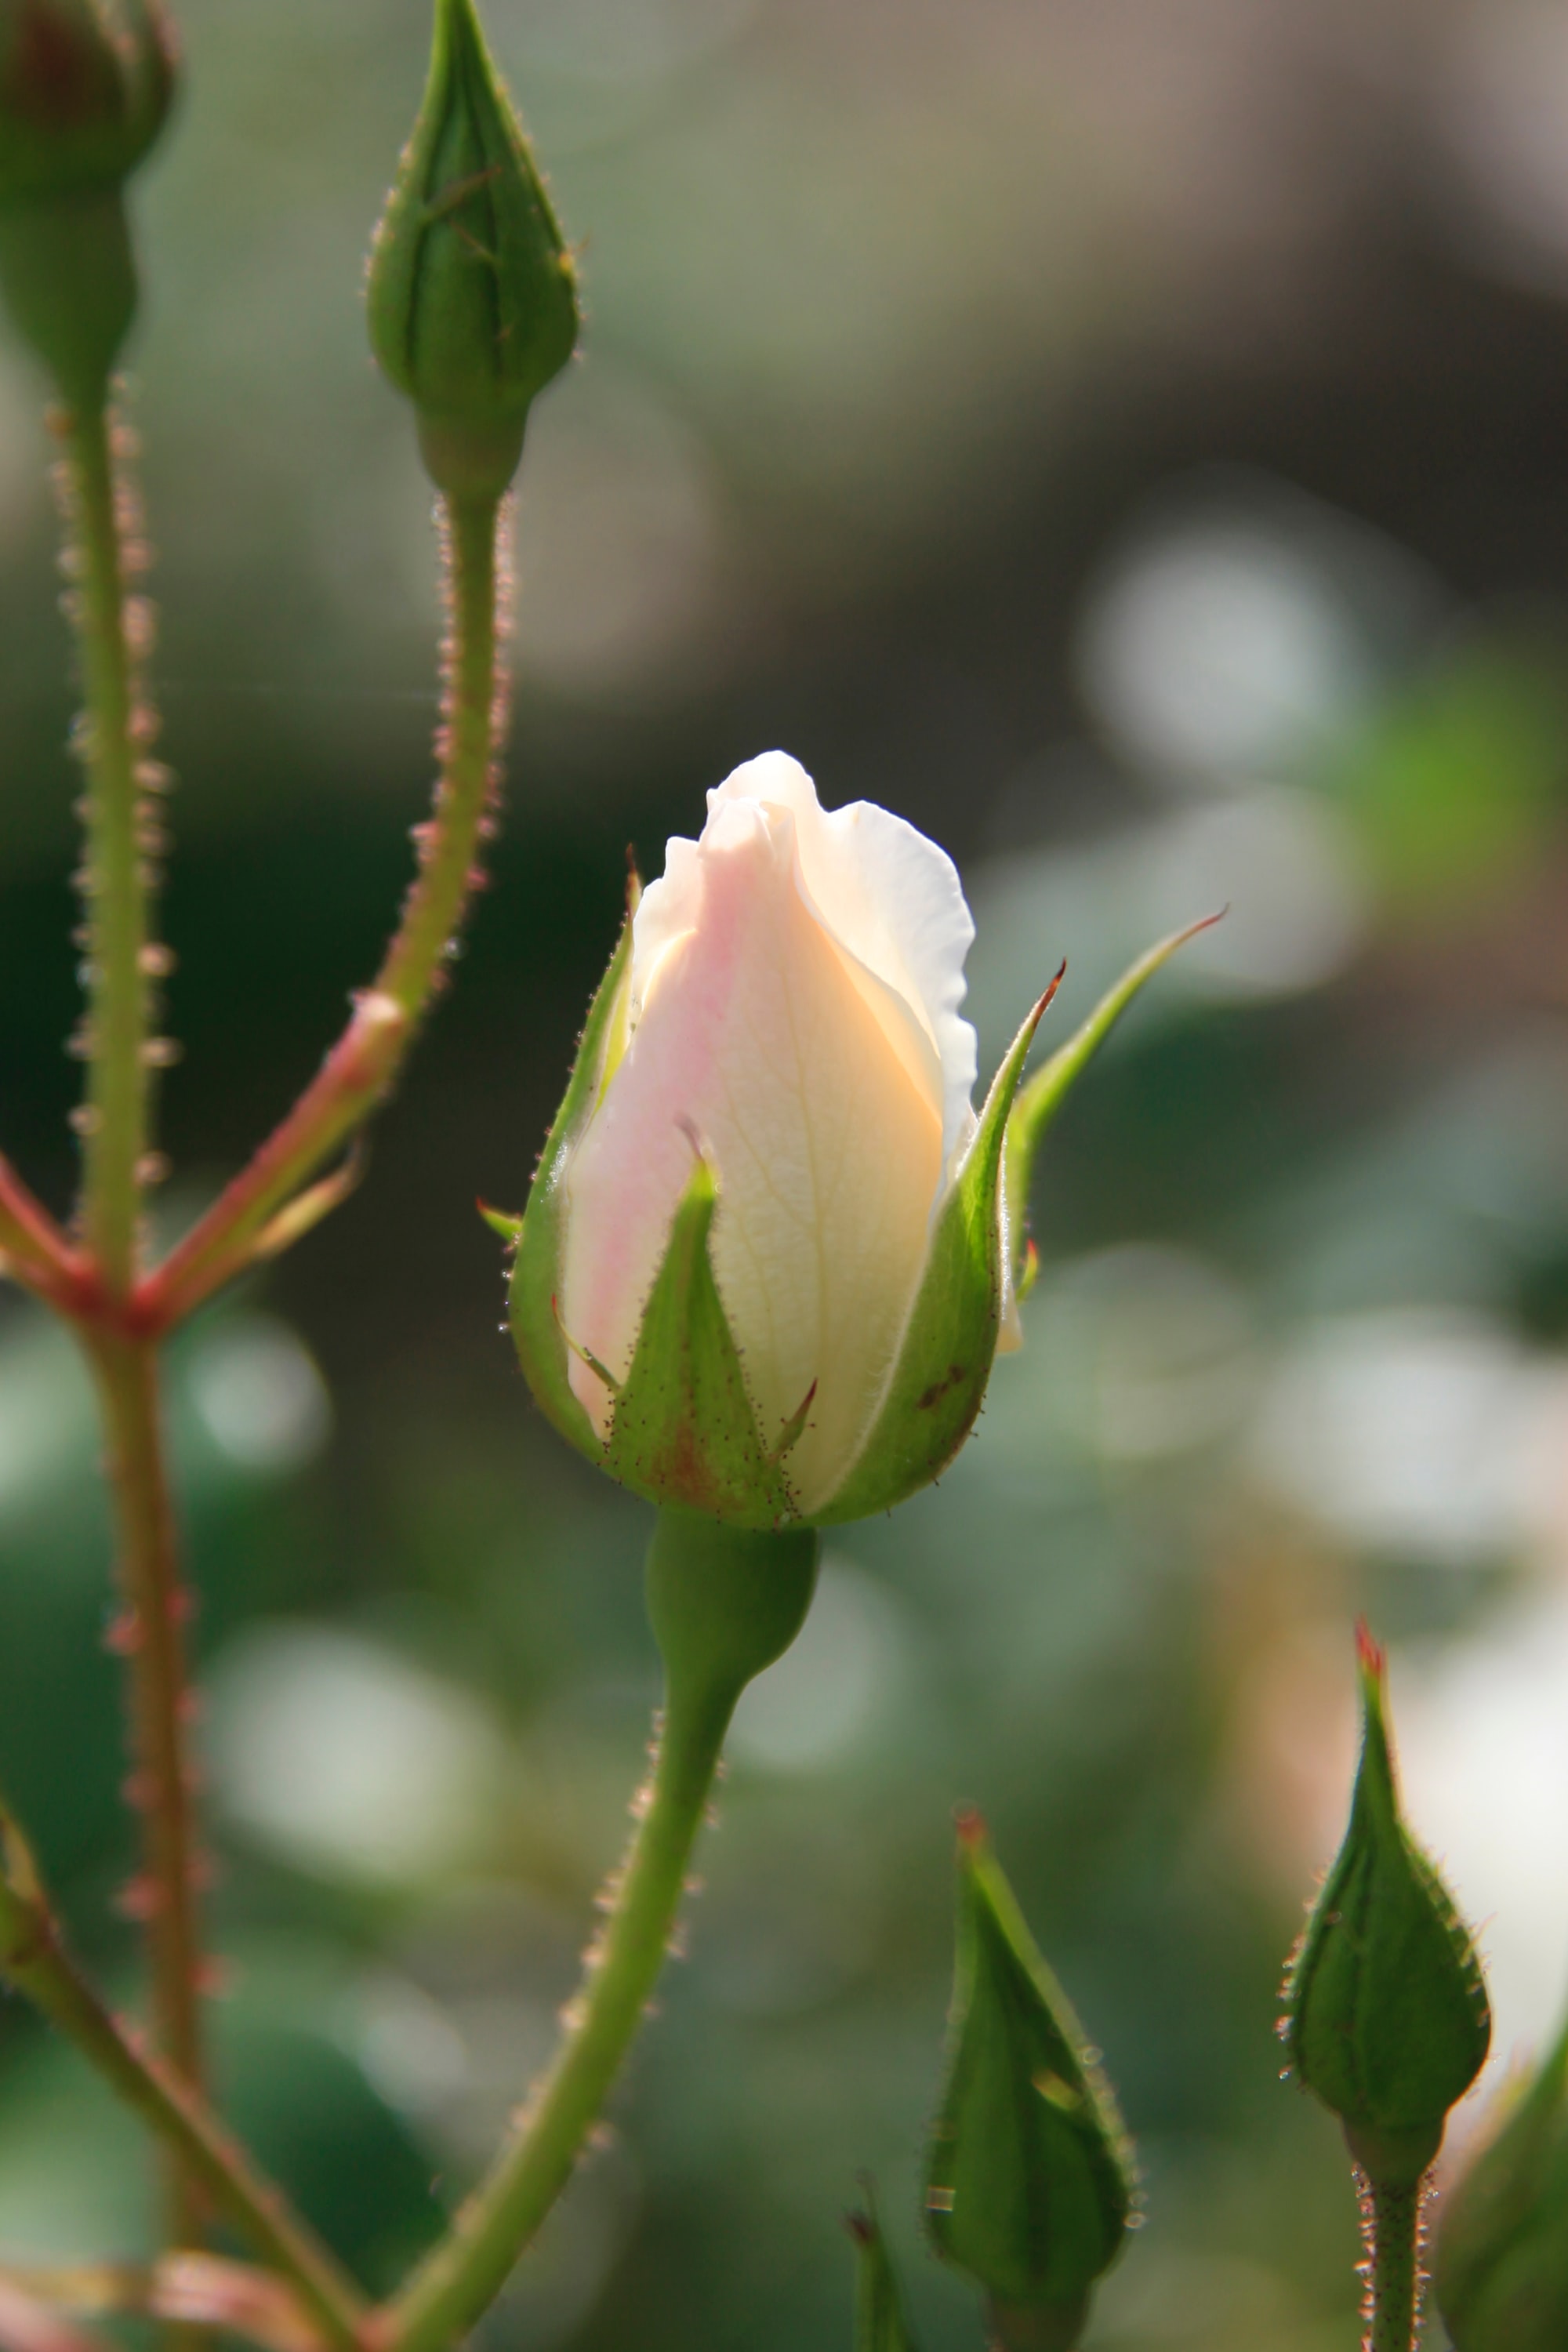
[1386, 2015]
[1501, 2267]
[85, 86]
[880, 2322]
[1029, 2179]
[473, 294]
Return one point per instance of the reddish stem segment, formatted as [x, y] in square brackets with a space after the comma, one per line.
[364, 1063]
[36, 1252]
[152, 1632]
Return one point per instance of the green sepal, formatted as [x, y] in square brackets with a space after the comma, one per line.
[536, 1269]
[950, 1341]
[1029, 2182]
[1501, 2265]
[1386, 2016]
[684, 1431]
[880, 2322]
[1040, 1100]
[471, 296]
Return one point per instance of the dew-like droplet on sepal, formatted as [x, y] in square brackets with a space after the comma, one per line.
[1029, 2181]
[1386, 2018]
[471, 296]
[1501, 2266]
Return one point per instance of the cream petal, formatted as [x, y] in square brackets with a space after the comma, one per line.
[760, 1030]
[893, 899]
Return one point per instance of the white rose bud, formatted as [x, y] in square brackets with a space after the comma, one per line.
[765, 1270]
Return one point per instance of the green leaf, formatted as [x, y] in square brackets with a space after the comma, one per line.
[880, 2322]
[1386, 2013]
[1501, 2267]
[536, 1271]
[1041, 1099]
[950, 1342]
[684, 1431]
[1029, 2185]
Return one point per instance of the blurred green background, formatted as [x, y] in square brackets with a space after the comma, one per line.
[1134, 443]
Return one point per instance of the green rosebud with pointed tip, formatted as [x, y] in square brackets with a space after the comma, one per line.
[880, 2322]
[1029, 2185]
[1387, 2017]
[85, 89]
[768, 1261]
[473, 296]
[1501, 2260]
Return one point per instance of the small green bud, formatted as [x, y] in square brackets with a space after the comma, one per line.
[880, 2322]
[472, 295]
[1386, 2015]
[1501, 2267]
[1029, 2181]
[85, 87]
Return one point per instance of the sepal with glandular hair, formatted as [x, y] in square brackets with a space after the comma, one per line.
[1501, 2263]
[950, 1344]
[1048, 1089]
[1386, 2015]
[540, 1236]
[85, 88]
[472, 295]
[684, 1430]
[1029, 2181]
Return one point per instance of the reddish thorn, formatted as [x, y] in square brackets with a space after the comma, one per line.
[136, 1791]
[861, 2228]
[138, 1899]
[1370, 1656]
[122, 1634]
[970, 1823]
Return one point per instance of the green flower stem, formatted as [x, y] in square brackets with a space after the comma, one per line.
[116, 877]
[365, 1061]
[1393, 2234]
[153, 1637]
[33, 1959]
[724, 1604]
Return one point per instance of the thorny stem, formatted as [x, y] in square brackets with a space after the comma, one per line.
[151, 1632]
[753, 1590]
[1392, 2222]
[34, 1960]
[117, 875]
[471, 2266]
[102, 548]
[365, 1061]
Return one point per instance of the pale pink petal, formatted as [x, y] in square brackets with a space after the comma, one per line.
[778, 1042]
